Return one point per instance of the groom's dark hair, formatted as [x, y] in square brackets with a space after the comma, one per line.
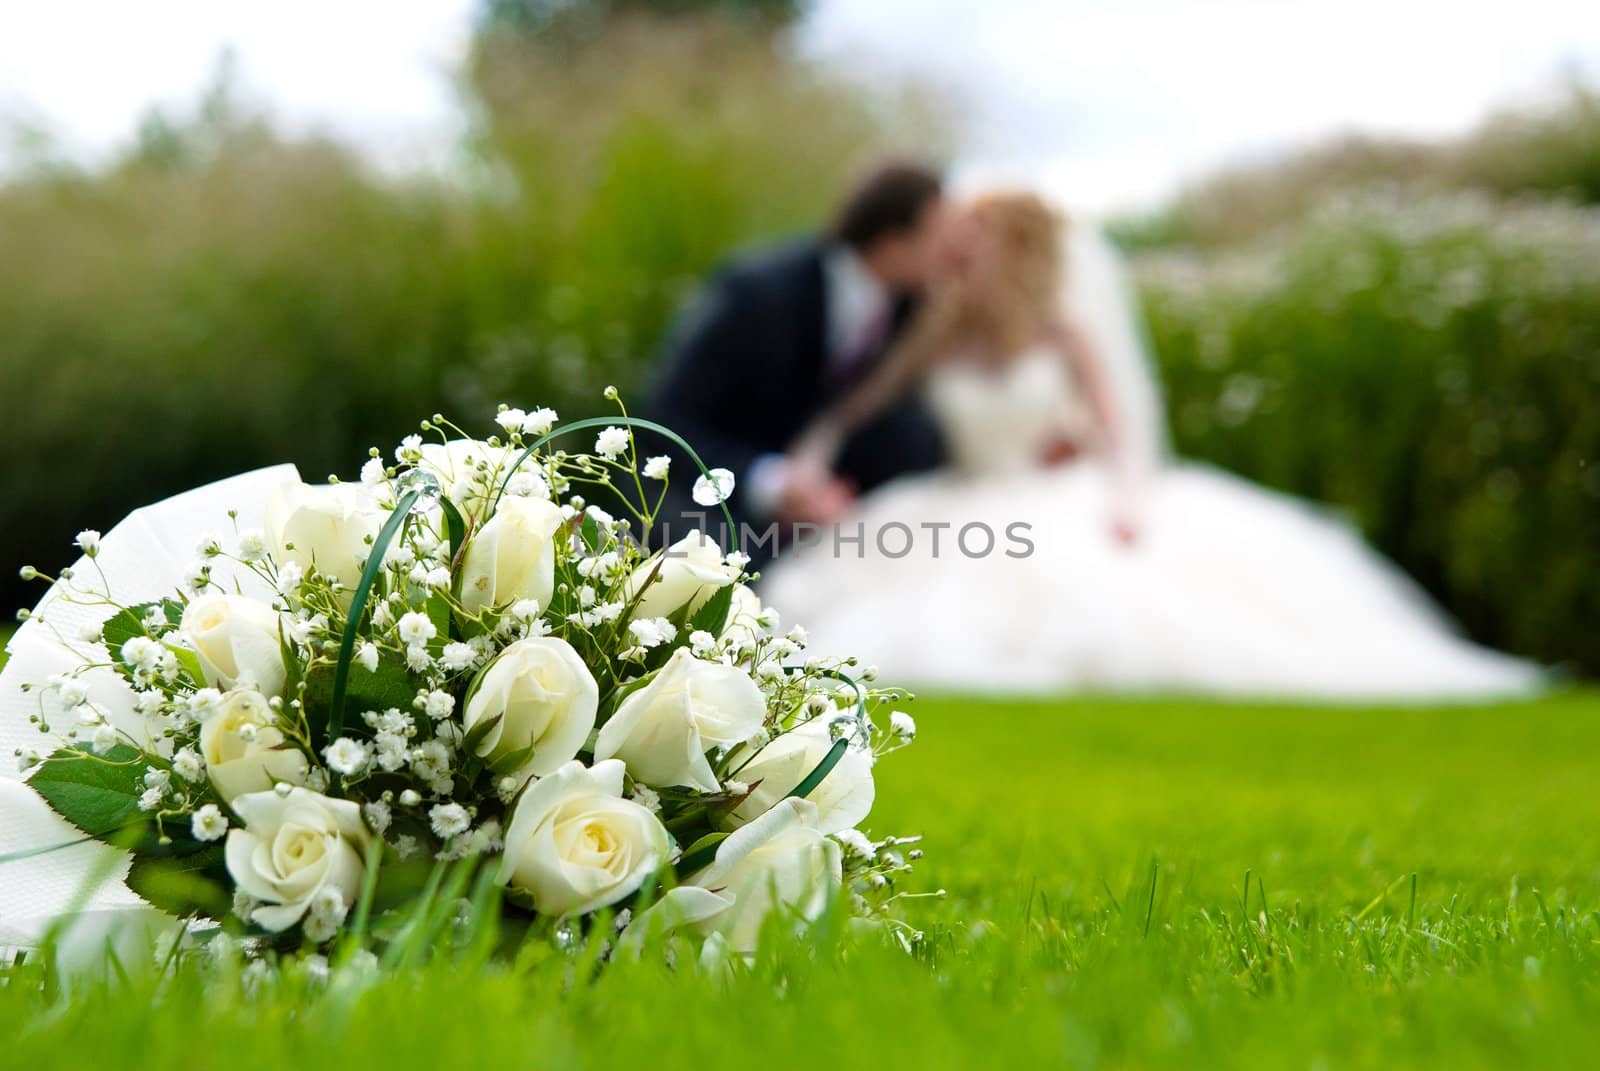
[889, 199]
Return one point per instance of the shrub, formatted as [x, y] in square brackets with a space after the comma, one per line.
[1548, 150]
[1432, 366]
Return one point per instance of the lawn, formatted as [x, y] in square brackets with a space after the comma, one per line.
[1131, 884]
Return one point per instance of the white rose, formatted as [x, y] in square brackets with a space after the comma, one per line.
[329, 526]
[575, 845]
[291, 848]
[472, 472]
[464, 468]
[243, 747]
[689, 572]
[781, 860]
[663, 730]
[843, 798]
[236, 640]
[544, 698]
[513, 556]
[742, 626]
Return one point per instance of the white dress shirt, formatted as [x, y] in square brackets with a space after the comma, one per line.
[857, 306]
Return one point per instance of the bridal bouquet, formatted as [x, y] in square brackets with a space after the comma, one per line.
[455, 681]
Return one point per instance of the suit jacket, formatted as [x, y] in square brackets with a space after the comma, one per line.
[746, 369]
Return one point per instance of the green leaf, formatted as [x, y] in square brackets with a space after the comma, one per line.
[475, 735]
[390, 686]
[713, 616]
[99, 795]
[338, 697]
[511, 762]
[438, 608]
[190, 663]
[193, 885]
[455, 524]
[125, 624]
[700, 853]
[128, 623]
[589, 531]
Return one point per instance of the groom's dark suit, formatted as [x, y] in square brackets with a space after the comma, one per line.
[748, 366]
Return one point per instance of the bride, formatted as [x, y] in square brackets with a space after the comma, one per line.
[1061, 549]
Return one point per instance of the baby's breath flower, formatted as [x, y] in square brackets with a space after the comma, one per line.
[208, 823]
[346, 756]
[511, 420]
[367, 657]
[290, 577]
[88, 541]
[657, 467]
[389, 750]
[141, 652]
[652, 631]
[856, 843]
[702, 642]
[188, 764]
[539, 421]
[104, 739]
[252, 545]
[150, 799]
[204, 703]
[378, 815]
[409, 450]
[902, 724]
[457, 656]
[449, 819]
[72, 691]
[527, 485]
[417, 629]
[438, 705]
[611, 443]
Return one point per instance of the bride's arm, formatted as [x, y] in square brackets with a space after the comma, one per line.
[1084, 362]
[821, 441]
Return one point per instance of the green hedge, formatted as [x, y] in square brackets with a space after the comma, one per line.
[1432, 366]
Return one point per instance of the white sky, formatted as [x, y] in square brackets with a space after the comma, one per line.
[1108, 103]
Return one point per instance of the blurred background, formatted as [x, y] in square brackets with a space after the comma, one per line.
[1366, 236]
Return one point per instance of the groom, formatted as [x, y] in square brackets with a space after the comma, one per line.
[778, 335]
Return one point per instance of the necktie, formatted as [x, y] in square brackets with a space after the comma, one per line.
[866, 345]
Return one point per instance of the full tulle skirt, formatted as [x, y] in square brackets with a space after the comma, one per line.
[1229, 588]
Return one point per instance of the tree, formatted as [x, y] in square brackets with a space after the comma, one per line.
[540, 16]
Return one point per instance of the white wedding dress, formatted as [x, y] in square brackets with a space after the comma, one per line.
[1228, 588]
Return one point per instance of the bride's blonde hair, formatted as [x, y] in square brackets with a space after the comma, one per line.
[1001, 310]
[1006, 307]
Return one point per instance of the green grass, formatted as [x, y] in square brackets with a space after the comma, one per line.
[1281, 931]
